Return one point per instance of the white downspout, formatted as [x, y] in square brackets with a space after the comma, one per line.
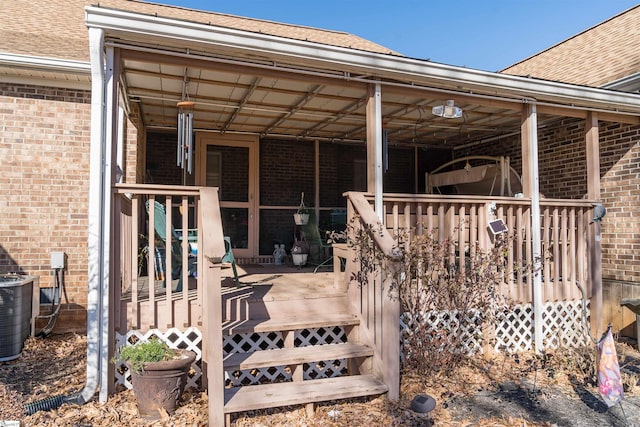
[109, 123]
[97, 270]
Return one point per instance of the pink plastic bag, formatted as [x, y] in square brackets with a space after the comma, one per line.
[609, 380]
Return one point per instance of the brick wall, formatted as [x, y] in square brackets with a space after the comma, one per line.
[44, 146]
[620, 189]
[287, 168]
[563, 174]
[161, 165]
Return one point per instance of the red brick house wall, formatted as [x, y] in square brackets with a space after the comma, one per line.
[563, 175]
[45, 148]
[44, 145]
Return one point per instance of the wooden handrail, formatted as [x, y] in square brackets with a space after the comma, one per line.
[377, 309]
[380, 234]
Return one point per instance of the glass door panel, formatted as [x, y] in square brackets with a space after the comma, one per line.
[229, 163]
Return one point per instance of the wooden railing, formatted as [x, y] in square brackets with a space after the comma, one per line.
[464, 219]
[153, 301]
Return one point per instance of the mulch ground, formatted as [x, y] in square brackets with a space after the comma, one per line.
[554, 389]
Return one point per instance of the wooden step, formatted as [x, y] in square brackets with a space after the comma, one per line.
[289, 323]
[295, 356]
[253, 397]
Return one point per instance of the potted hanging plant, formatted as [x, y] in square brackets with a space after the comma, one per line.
[301, 217]
[158, 375]
[299, 252]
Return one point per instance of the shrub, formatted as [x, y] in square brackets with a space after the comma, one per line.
[140, 353]
[445, 304]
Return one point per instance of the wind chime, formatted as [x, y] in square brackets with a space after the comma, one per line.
[185, 138]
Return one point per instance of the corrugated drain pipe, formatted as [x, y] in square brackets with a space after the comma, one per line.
[96, 240]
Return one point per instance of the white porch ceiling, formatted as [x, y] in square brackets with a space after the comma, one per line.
[300, 106]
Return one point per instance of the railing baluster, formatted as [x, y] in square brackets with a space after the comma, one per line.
[564, 235]
[462, 243]
[556, 247]
[151, 287]
[167, 318]
[573, 254]
[185, 263]
[134, 317]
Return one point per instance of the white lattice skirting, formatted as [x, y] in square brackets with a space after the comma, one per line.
[441, 323]
[563, 326]
[191, 339]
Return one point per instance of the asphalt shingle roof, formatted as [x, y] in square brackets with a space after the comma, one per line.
[56, 28]
[599, 55]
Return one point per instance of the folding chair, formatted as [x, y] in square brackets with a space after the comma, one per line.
[228, 257]
[160, 228]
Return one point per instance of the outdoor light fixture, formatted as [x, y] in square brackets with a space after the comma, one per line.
[185, 136]
[448, 111]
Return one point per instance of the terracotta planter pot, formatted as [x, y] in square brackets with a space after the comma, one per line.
[161, 384]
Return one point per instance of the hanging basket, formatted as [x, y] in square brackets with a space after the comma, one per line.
[301, 217]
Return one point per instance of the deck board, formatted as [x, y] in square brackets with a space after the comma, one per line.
[288, 323]
[297, 355]
[249, 398]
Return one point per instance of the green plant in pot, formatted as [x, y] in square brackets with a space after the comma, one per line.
[158, 375]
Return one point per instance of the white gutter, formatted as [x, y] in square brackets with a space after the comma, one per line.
[629, 83]
[96, 267]
[45, 64]
[196, 36]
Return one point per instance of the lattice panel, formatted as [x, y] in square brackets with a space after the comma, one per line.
[468, 328]
[190, 339]
[273, 374]
[325, 369]
[322, 336]
[250, 342]
[514, 332]
[247, 343]
[319, 336]
[564, 325]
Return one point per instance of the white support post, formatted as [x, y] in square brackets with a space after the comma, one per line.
[374, 146]
[530, 142]
[316, 196]
[592, 142]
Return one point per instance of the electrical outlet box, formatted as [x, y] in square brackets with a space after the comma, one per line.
[58, 260]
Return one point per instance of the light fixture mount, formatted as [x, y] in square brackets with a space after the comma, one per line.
[448, 110]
